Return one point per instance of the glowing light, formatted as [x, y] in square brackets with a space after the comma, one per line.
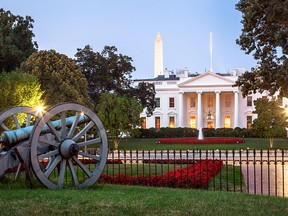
[40, 108]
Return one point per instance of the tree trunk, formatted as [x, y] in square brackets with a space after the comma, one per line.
[116, 142]
[271, 142]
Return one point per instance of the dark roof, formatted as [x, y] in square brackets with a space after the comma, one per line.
[160, 78]
[224, 74]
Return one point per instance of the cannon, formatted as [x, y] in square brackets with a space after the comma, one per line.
[53, 144]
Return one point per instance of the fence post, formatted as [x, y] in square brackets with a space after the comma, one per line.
[261, 170]
[233, 170]
[275, 166]
[254, 169]
[268, 163]
[283, 173]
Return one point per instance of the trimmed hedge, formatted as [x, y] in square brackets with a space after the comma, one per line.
[195, 140]
[189, 132]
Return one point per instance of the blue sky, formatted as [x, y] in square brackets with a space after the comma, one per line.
[132, 26]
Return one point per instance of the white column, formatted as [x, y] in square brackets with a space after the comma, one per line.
[181, 107]
[218, 112]
[199, 110]
[236, 109]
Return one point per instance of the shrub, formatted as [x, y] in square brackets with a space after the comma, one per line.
[195, 140]
[207, 132]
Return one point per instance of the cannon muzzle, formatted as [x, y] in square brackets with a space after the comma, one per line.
[13, 137]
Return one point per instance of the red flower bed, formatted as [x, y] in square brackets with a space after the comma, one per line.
[196, 175]
[195, 140]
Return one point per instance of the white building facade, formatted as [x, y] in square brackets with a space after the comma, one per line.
[207, 100]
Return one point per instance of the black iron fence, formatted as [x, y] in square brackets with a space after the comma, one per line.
[249, 171]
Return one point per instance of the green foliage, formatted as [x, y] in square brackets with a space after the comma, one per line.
[60, 78]
[16, 43]
[110, 71]
[272, 119]
[119, 114]
[107, 71]
[265, 35]
[19, 89]
[145, 94]
[190, 132]
[167, 132]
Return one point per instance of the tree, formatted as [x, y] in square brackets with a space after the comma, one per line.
[106, 71]
[109, 71]
[16, 43]
[271, 121]
[265, 34]
[145, 94]
[60, 78]
[119, 114]
[19, 89]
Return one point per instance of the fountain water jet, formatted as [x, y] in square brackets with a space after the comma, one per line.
[200, 134]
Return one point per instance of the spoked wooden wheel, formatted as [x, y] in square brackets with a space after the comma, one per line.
[18, 117]
[13, 119]
[70, 128]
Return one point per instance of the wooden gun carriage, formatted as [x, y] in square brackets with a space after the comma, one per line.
[52, 144]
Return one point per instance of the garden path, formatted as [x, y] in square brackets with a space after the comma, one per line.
[266, 179]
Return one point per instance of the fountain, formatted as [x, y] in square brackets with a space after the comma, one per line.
[200, 134]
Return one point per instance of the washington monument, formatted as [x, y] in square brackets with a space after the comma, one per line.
[158, 56]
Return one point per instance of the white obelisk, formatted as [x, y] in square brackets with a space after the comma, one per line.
[158, 56]
[211, 41]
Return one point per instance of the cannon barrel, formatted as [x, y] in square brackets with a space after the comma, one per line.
[53, 144]
[13, 137]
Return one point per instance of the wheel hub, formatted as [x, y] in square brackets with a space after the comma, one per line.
[68, 149]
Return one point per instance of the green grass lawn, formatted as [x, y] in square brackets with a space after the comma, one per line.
[18, 199]
[136, 200]
[150, 144]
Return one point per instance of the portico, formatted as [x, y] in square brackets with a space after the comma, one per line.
[208, 100]
[208, 109]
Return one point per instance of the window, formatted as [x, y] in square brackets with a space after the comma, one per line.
[143, 122]
[171, 102]
[227, 101]
[171, 122]
[192, 102]
[249, 101]
[157, 122]
[227, 122]
[192, 121]
[157, 101]
[249, 122]
[158, 83]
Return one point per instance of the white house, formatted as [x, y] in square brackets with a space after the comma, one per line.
[207, 100]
